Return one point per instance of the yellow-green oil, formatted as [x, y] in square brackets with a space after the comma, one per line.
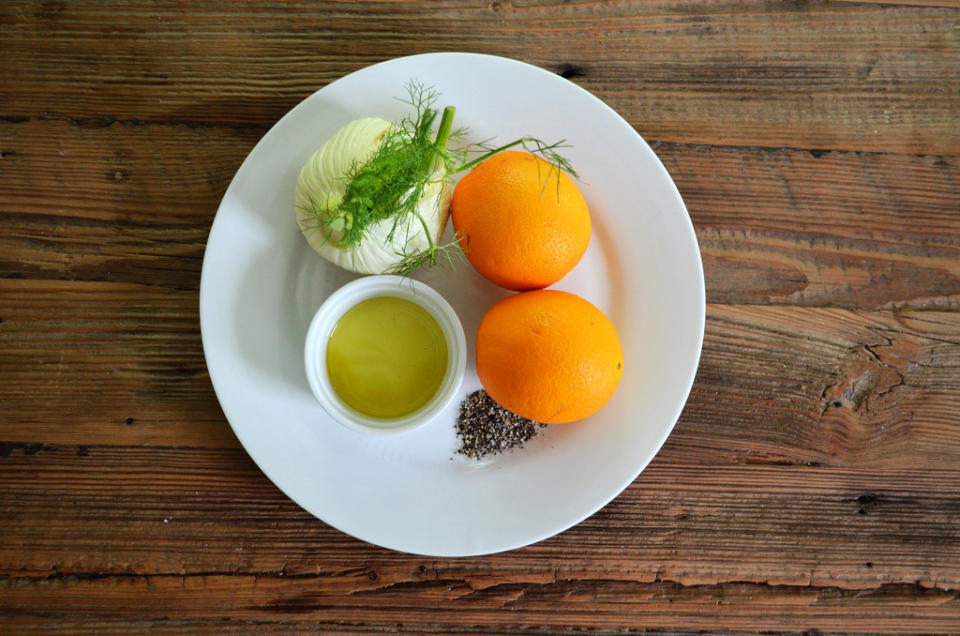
[386, 357]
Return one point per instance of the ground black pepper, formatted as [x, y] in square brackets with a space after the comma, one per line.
[486, 428]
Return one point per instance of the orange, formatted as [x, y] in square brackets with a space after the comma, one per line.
[549, 356]
[519, 228]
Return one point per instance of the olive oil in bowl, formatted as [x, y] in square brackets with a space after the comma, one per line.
[386, 357]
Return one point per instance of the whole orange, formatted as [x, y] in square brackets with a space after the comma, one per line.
[548, 356]
[522, 222]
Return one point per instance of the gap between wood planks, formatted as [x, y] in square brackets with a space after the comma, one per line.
[467, 587]
[585, 602]
[105, 122]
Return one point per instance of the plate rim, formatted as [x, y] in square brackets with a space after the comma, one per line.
[690, 236]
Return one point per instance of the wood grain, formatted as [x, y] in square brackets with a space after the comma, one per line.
[846, 229]
[823, 228]
[812, 481]
[102, 362]
[593, 605]
[782, 73]
[859, 388]
[121, 175]
[824, 387]
[153, 527]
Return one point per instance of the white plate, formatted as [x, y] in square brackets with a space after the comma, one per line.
[261, 284]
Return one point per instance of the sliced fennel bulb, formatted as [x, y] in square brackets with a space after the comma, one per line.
[322, 184]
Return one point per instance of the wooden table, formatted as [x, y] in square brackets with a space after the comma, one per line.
[813, 481]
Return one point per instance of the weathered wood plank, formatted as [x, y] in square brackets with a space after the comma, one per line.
[775, 226]
[122, 175]
[252, 603]
[824, 386]
[93, 362]
[771, 76]
[135, 511]
[104, 363]
[857, 230]
[202, 534]
[72, 249]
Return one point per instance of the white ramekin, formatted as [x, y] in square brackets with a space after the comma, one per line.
[321, 327]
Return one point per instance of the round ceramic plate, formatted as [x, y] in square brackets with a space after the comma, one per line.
[412, 492]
